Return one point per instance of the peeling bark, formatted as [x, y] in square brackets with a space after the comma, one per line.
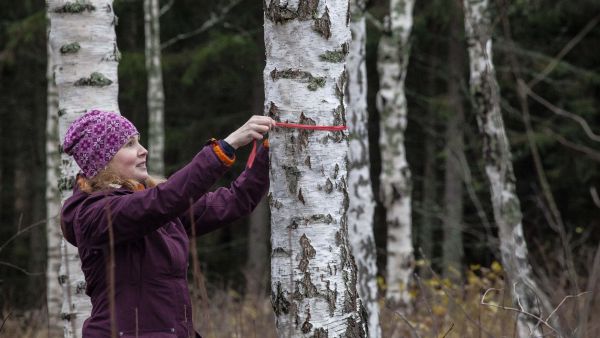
[313, 272]
[361, 201]
[396, 184]
[485, 94]
[84, 79]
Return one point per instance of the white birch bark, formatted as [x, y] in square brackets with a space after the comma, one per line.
[83, 42]
[156, 93]
[396, 184]
[313, 274]
[498, 166]
[53, 233]
[361, 204]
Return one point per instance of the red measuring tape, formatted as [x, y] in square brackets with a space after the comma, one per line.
[295, 126]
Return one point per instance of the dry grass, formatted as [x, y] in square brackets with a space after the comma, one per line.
[440, 309]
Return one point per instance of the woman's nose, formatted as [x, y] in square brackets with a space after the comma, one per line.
[142, 151]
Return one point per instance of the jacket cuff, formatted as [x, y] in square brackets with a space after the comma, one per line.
[220, 152]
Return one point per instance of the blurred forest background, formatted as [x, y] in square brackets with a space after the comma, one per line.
[213, 82]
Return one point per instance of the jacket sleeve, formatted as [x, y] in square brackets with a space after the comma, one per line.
[133, 215]
[225, 205]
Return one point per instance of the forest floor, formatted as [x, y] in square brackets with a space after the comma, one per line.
[439, 309]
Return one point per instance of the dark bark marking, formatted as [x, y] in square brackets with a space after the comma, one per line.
[301, 197]
[75, 7]
[322, 25]
[274, 112]
[314, 82]
[279, 251]
[328, 186]
[331, 298]
[70, 48]
[335, 56]
[274, 202]
[354, 329]
[308, 252]
[292, 175]
[321, 333]
[307, 162]
[336, 171]
[279, 303]
[307, 326]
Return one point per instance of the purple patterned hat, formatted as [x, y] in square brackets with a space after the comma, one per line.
[95, 137]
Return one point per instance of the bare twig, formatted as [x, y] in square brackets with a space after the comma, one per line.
[595, 196]
[413, 330]
[164, 9]
[373, 20]
[16, 267]
[448, 331]
[561, 112]
[21, 231]
[566, 49]
[591, 153]
[214, 19]
[4, 321]
[522, 311]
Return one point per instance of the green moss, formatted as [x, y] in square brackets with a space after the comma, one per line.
[71, 48]
[95, 80]
[75, 7]
[334, 56]
[315, 83]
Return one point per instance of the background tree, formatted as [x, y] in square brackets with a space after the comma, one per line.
[53, 203]
[83, 42]
[453, 252]
[361, 201]
[396, 184]
[313, 274]
[498, 164]
[156, 93]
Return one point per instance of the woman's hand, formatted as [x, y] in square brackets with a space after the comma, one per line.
[252, 130]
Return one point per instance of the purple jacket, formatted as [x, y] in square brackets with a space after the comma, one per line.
[151, 231]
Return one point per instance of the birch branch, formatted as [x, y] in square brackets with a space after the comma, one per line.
[164, 9]
[214, 19]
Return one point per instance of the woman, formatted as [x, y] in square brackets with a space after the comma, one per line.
[151, 222]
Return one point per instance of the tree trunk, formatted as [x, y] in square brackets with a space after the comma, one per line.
[53, 233]
[453, 252]
[429, 220]
[362, 203]
[83, 42]
[156, 93]
[313, 274]
[396, 184]
[498, 166]
[256, 274]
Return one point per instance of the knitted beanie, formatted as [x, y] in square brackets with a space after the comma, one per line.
[94, 139]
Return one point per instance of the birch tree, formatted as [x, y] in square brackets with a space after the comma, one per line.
[313, 274]
[156, 94]
[361, 204]
[396, 184]
[53, 233]
[498, 167]
[83, 43]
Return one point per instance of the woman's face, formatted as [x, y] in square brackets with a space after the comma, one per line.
[130, 161]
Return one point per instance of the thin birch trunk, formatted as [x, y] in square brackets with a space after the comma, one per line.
[156, 93]
[498, 166]
[362, 204]
[396, 183]
[83, 42]
[453, 251]
[313, 274]
[53, 233]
